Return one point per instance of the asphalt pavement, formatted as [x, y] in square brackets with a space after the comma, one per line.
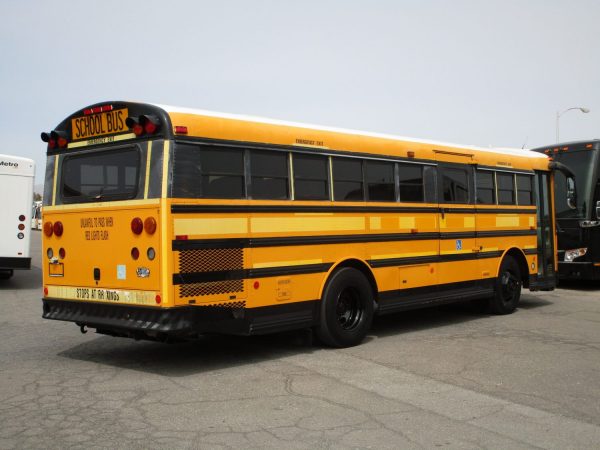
[437, 378]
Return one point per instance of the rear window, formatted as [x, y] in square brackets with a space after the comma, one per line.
[100, 176]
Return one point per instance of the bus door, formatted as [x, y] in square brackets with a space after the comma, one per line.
[545, 235]
[457, 245]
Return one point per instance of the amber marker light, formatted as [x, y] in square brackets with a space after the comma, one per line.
[48, 229]
[150, 225]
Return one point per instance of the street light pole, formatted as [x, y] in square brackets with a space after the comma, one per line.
[558, 114]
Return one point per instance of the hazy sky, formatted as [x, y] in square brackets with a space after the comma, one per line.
[469, 72]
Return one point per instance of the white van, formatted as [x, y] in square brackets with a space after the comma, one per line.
[16, 195]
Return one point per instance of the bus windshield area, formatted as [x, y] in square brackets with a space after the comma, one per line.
[582, 164]
[100, 176]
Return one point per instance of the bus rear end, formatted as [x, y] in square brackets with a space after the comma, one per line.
[16, 192]
[102, 227]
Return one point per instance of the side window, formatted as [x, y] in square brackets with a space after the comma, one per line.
[455, 185]
[486, 191]
[380, 181]
[525, 190]
[310, 177]
[347, 179]
[208, 172]
[269, 175]
[506, 188]
[410, 182]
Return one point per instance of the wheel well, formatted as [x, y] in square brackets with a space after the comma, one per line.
[360, 266]
[519, 257]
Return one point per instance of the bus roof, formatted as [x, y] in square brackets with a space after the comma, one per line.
[200, 112]
[16, 165]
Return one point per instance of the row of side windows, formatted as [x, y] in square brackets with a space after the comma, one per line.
[504, 188]
[201, 171]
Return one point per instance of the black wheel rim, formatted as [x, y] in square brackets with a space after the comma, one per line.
[511, 286]
[349, 309]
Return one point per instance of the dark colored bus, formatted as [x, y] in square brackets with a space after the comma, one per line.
[578, 224]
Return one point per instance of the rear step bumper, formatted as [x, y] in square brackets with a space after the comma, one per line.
[186, 322]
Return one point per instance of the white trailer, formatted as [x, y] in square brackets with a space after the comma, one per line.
[16, 195]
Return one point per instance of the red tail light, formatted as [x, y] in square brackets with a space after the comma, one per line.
[48, 229]
[45, 291]
[158, 299]
[21, 226]
[58, 228]
[62, 253]
[150, 225]
[137, 226]
[21, 218]
[135, 253]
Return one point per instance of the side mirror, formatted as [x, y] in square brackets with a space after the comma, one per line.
[598, 210]
[572, 194]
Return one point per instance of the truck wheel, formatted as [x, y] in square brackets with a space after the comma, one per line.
[346, 311]
[508, 288]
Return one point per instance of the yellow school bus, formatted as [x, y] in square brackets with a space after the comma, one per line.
[166, 223]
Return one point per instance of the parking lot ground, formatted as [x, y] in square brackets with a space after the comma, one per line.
[443, 377]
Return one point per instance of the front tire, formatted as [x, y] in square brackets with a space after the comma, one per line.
[508, 288]
[346, 311]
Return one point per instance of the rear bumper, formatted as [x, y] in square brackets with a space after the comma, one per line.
[186, 322]
[15, 263]
[578, 271]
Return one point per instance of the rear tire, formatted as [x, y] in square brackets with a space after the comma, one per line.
[346, 311]
[508, 287]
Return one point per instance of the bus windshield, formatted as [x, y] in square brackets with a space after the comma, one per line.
[100, 176]
[582, 164]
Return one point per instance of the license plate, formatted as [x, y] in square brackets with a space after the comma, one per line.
[101, 124]
[56, 270]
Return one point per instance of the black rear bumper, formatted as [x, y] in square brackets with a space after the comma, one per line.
[187, 322]
[15, 263]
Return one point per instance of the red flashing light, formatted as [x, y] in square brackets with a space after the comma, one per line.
[52, 143]
[181, 129]
[58, 228]
[150, 127]
[137, 226]
[62, 142]
[138, 130]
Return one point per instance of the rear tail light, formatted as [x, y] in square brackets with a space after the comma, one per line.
[45, 291]
[62, 253]
[150, 225]
[21, 218]
[158, 299]
[58, 228]
[135, 253]
[48, 229]
[137, 226]
[21, 227]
